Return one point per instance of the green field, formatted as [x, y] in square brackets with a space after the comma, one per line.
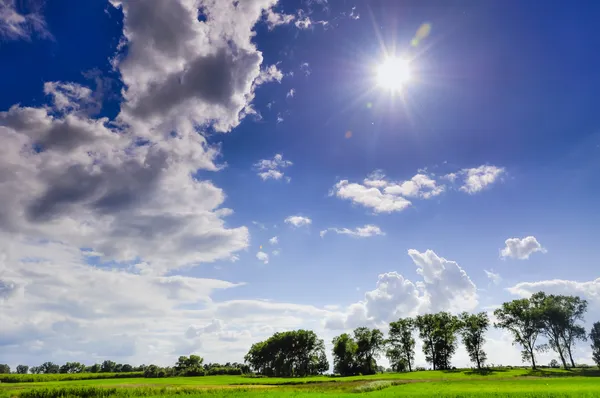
[450, 384]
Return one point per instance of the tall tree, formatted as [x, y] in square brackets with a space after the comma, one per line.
[72, 367]
[22, 369]
[522, 320]
[369, 344]
[555, 319]
[438, 332]
[595, 339]
[401, 344]
[575, 309]
[4, 368]
[427, 326]
[344, 355]
[285, 354]
[446, 342]
[473, 328]
[49, 367]
[108, 366]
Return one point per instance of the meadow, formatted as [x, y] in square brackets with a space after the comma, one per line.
[518, 383]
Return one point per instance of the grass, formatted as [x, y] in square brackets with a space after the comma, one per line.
[31, 378]
[517, 383]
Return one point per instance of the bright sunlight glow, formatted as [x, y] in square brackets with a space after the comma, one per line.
[394, 73]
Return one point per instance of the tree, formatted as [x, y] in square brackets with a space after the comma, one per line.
[72, 367]
[4, 368]
[189, 366]
[95, 368]
[344, 355]
[108, 366]
[559, 315]
[126, 368]
[22, 369]
[288, 354]
[473, 328]
[369, 343]
[48, 368]
[438, 332]
[401, 344]
[426, 324]
[522, 320]
[447, 326]
[575, 308]
[595, 339]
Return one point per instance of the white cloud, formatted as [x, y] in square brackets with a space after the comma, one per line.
[260, 225]
[291, 93]
[493, 277]
[521, 248]
[445, 286]
[370, 197]
[272, 168]
[298, 221]
[15, 25]
[202, 72]
[588, 289]
[270, 74]
[276, 252]
[127, 190]
[305, 68]
[262, 256]
[274, 240]
[478, 178]
[420, 185]
[385, 196]
[274, 19]
[359, 232]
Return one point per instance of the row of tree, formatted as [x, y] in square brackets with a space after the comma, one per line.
[74, 367]
[555, 317]
[186, 366]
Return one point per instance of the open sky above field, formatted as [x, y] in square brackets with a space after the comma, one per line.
[190, 176]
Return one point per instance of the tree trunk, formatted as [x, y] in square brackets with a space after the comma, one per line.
[408, 360]
[478, 363]
[532, 360]
[571, 358]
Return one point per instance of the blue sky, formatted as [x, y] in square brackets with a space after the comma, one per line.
[151, 154]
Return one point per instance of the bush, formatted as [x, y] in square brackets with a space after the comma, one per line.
[224, 370]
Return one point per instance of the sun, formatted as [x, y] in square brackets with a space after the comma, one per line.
[394, 73]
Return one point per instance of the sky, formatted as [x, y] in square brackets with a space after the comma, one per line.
[192, 176]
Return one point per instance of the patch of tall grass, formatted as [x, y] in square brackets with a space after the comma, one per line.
[36, 378]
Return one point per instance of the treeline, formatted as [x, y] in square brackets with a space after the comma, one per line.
[186, 366]
[193, 366]
[554, 318]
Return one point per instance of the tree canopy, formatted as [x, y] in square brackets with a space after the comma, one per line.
[288, 354]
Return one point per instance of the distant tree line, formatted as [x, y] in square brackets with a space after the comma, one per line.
[556, 318]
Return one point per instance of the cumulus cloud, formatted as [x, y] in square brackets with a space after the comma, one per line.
[478, 178]
[359, 232]
[383, 195]
[521, 248]
[588, 289]
[262, 256]
[272, 168]
[445, 286]
[298, 221]
[274, 240]
[18, 24]
[126, 189]
[291, 93]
